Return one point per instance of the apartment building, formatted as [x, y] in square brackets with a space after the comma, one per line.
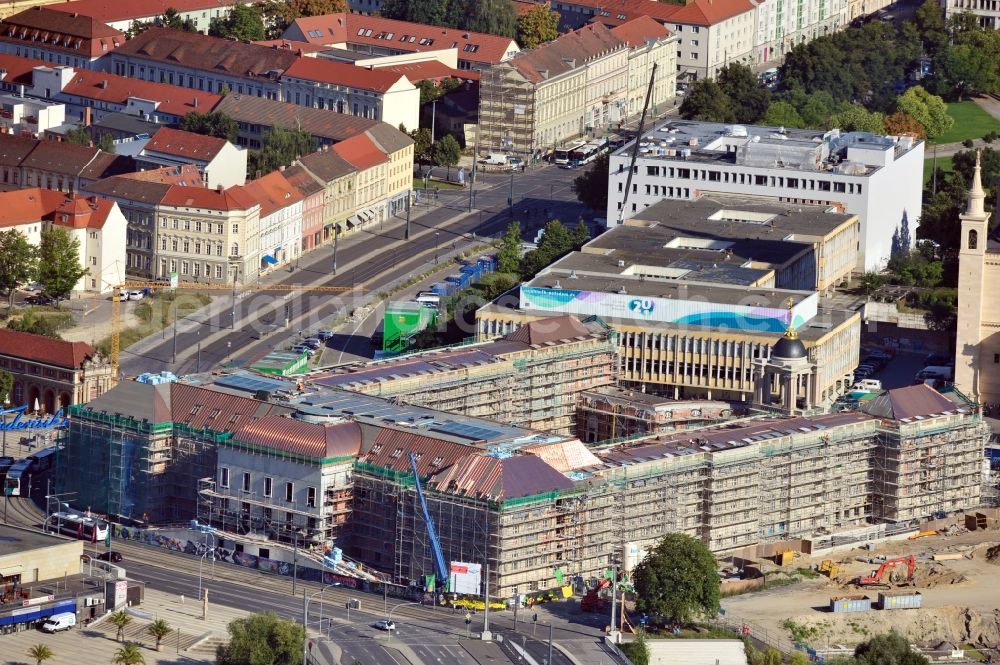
[57, 165]
[210, 235]
[280, 228]
[120, 15]
[313, 205]
[649, 43]
[877, 178]
[375, 35]
[987, 11]
[138, 195]
[398, 147]
[371, 166]
[59, 38]
[782, 25]
[97, 224]
[338, 178]
[220, 163]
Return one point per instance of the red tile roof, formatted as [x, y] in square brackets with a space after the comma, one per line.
[342, 73]
[433, 70]
[522, 7]
[83, 212]
[360, 152]
[273, 191]
[301, 438]
[201, 408]
[178, 143]
[392, 447]
[19, 70]
[38, 348]
[638, 30]
[549, 330]
[484, 477]
[910, 402]
[233, 198]
[108, 11]
[14, 149]
[58, 31]
[24, 206]
[566, 52]
[332, 29]
[105, 87]
[696, 12]
[273, 113]
[185, 174]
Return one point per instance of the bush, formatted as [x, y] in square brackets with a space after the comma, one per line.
[968, 143]
[636, 651]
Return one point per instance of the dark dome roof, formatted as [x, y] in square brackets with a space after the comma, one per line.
[788, 348]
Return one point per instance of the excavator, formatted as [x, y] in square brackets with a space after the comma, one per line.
[887, 574]
[592, 601]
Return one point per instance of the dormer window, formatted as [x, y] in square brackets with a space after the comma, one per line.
[397, 452]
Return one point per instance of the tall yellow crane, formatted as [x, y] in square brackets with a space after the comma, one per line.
[128, 285]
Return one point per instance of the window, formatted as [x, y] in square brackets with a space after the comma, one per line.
[218, 271]
[973, 239]
[236, 228]
[219, 230]
[289, 492]
[235, 251]
[996, 358]
[173, 245]
[268, 482]
[246, 481]
[224, 477]
[311, 497]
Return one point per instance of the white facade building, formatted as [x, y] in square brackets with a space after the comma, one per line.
[280, 219]
[878, 178]
[987, 11]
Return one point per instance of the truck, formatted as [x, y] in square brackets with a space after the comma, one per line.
[941, 372]
[495, 159]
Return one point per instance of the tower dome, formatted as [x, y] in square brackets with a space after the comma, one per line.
[789, 347]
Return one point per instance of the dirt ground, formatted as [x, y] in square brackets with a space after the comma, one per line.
[960, 604]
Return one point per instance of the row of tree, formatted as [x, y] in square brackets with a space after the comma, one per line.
[556, 242]
[55, 262]
[494, 17]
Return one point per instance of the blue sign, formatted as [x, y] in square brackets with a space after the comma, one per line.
[642, 306]
[57, 419]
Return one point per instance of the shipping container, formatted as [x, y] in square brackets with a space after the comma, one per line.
[488, 263]
[439, 289]
[840, 604]
[455, 279]
[900, 601]
[402, 322]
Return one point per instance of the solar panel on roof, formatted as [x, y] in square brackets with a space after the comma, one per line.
[466, 430]
[251, 383]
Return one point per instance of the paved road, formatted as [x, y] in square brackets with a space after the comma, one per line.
[369, 259]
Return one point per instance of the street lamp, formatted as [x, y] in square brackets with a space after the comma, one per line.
[210, 550]
[394, 608]
[305, 620]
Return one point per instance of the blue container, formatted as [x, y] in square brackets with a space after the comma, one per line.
[843, 604]
[455, 279]
[487, 263]
[440, 289]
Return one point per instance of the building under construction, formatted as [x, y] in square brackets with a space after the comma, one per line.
[609, 412]
[530, 378]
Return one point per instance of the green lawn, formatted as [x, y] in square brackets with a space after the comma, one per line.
[943, 163]
[971, 122]
[418, 183]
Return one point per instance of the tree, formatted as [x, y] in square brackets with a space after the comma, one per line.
[904, 124]
[537, 26]
[279, 14]
[929, 19]
[172, 19]
[18, 262]
[79, 136]
[120, 619]
[129, 654]
[493, 17]
[447, 152]
[159, 629]
[799, 658]
[962, 70]
[243, 23]
[216, 124]
[136, 28]
[6, 386]
[555, 243]
[281, 147]
[580, 235]
[927, 109]
[41, 323]
[59, 267]
[40, 653]
[889, 649]
[262, 639]
[591, 187]
[421, 144]
[636, 650]
[509, 256]
[782, 114]
[748, 97]
[858, 119]
[678, 580]
[706, 101]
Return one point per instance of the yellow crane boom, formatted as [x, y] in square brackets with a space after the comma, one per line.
[116, 313]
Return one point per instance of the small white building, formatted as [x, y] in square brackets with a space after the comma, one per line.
[878, 178]
[280, 219]
[221, 163]
[98, 224]
[24, 115]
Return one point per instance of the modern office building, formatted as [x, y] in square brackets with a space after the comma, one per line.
[877, 178]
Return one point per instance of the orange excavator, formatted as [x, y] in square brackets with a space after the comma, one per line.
[890, 573]
[592, 601]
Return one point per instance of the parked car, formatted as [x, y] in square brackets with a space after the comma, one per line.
[136, 295]
[39, 299]
[58, 622]
[938, 359]
[34, 286]
[110, 556]
[324, 335]
[313, 342]
[881, 354]
[384, 624]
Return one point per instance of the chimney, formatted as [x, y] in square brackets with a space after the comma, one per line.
[104, 84]
[196, 102]
[220, 189]
[281, 168]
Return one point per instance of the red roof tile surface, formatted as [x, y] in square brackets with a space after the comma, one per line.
[391, 449]
[38, 348]
[696, 12]
[178, 143]
[638, 30]
[360, 152]
[549, 330]
[273, 192]
[19, 70]
[910, 402]
[25, 206]
[484, 477]
[433, 70]
[566, 52]
[201, 408]
[233, 198]
[301, 438]
[108, 11]
[58, 31]
[341, 73]
[104, 87]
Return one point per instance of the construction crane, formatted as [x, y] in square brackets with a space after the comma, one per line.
[886, 575]
[442, 570]
[147, 285]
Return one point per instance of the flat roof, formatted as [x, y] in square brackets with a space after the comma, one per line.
[807, 150]
[649, 399]
[14, 540]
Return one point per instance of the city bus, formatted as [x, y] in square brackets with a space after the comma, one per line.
[587, 153]
[17, 481]
[561, 155]
[78, 526]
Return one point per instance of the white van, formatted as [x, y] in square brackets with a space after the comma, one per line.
[869, 385]
[61, 621]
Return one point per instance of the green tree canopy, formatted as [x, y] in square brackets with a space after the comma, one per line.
[591, 186]
[707, 101]
[929, 20]
[927, 109]
[280, 148]
[172, 19]
[580, 235]
[678, 581]
[748, 97]
[889, 649]
[243, 22]
[6, 386]
[962, 70]
[782, 114]
[262, 639]
[493, 17]
[216, 124]
[18, 262]
[859, 119]
[509, 255]
[40, 653]
[537, 26]
[555, 243]
[59, 267]
[159, 629]
[129, 654]
[279, 14]
[447, 152]
[120, 619]
[421, 144]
